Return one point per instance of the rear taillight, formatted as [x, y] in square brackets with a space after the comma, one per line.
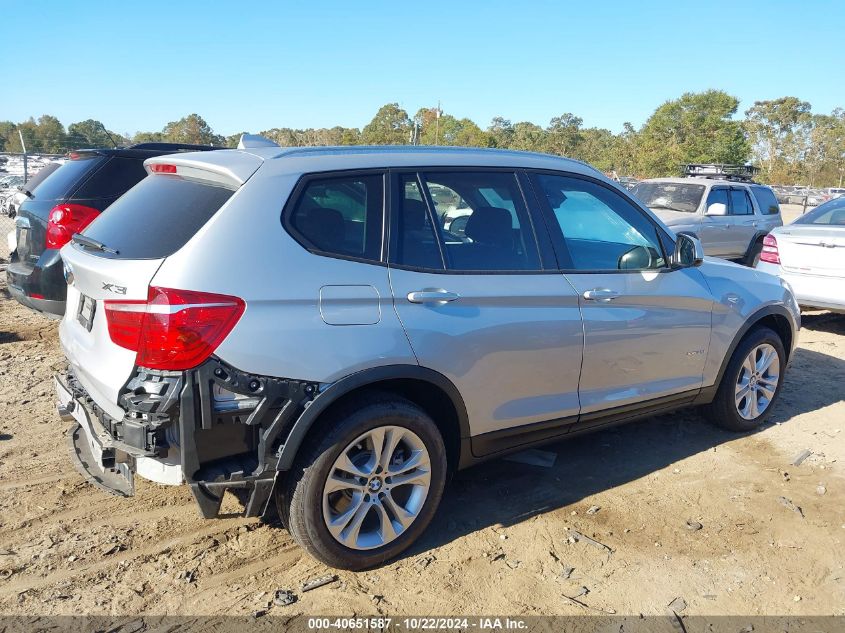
[173, 329]
[770, 250]
[65, 220]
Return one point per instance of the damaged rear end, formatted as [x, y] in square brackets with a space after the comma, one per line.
[144, 390]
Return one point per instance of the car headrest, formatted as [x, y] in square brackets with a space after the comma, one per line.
[837, 218]
[324, 227]
[490, 225]
[414, 213]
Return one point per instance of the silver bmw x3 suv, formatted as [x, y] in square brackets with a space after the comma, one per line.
[299, 324]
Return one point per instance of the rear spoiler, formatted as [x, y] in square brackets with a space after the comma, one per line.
[228, 168]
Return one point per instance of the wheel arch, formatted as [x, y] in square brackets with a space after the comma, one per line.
[428, 389]
[775, 317]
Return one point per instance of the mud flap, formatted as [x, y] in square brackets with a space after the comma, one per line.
[209, 496]
[120, 481]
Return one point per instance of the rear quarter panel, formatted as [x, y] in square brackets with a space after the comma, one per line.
[245, 251]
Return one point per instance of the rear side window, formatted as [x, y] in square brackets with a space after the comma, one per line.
[66, 178]
[482, 221]
[113, 179]
[766, 200]
[340, 216]
[417, 245]
[740, 204]
[157, 217]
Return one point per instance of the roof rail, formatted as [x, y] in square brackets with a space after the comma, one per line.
[172, 146]
[720, 171]
[255, 140]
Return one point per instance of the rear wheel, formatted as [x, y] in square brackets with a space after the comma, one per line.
[367, 485]
[751, 383]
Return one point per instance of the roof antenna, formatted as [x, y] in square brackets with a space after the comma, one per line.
[107, 134]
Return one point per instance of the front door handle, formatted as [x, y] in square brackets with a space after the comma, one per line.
[600, 294]
[432, 295]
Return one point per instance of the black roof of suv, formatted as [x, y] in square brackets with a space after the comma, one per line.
[63, 204]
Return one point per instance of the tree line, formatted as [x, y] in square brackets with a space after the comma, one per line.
[790, 143]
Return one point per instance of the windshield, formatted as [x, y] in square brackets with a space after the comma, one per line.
[669, 195]
[828, 214]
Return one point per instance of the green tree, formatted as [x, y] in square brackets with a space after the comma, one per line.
[778, 130]
[563, 134]
[696, 128]
[527, 136]
[599, 148]
[500, 132]
[191, 129]
[28, 129]
[390, 126]
[148, 137]
[7, 129]
[824, 158]
[91, 133]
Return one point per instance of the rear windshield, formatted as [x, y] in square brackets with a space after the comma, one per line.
[113, 179]
[66, 178]
[828, 214]
[766, 200]
[669, 195]
[157, 217]
[40, 176]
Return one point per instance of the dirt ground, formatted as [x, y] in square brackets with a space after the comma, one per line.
[500, 541]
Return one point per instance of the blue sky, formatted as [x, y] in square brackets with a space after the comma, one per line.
[247, 65]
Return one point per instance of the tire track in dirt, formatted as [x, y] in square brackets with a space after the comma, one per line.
[23, 583]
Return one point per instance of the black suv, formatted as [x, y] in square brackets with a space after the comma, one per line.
[64, 204]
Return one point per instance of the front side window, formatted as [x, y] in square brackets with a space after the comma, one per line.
[740, 204]
[341, 215]
[601, 230]
[481, 221]
[717, 202]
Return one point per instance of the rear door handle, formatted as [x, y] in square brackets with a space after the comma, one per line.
[429, 295]
[600, 294]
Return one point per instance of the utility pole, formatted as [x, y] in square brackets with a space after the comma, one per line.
[437, 124]
[23, 145]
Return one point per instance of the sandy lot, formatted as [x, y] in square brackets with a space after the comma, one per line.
[499, 543]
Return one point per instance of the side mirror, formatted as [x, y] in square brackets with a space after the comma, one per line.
[717, 208]
[688, 251]
[638, 258]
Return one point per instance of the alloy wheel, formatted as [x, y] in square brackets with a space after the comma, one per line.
[757, 382]
[376, 487]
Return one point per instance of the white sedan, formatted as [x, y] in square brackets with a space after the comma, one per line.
[810, 255]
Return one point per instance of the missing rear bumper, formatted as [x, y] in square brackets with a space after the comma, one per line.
[118, 481]
[214, 427]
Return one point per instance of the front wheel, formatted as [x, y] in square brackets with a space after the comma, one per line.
[368, 486]
[751, 383]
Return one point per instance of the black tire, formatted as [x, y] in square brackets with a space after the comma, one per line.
[753, 254]
[299, 498]
[723, 410]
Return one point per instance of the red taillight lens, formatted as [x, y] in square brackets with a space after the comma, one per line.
[159, 168]
[173, 329]
[65, 220]
[770, 250]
